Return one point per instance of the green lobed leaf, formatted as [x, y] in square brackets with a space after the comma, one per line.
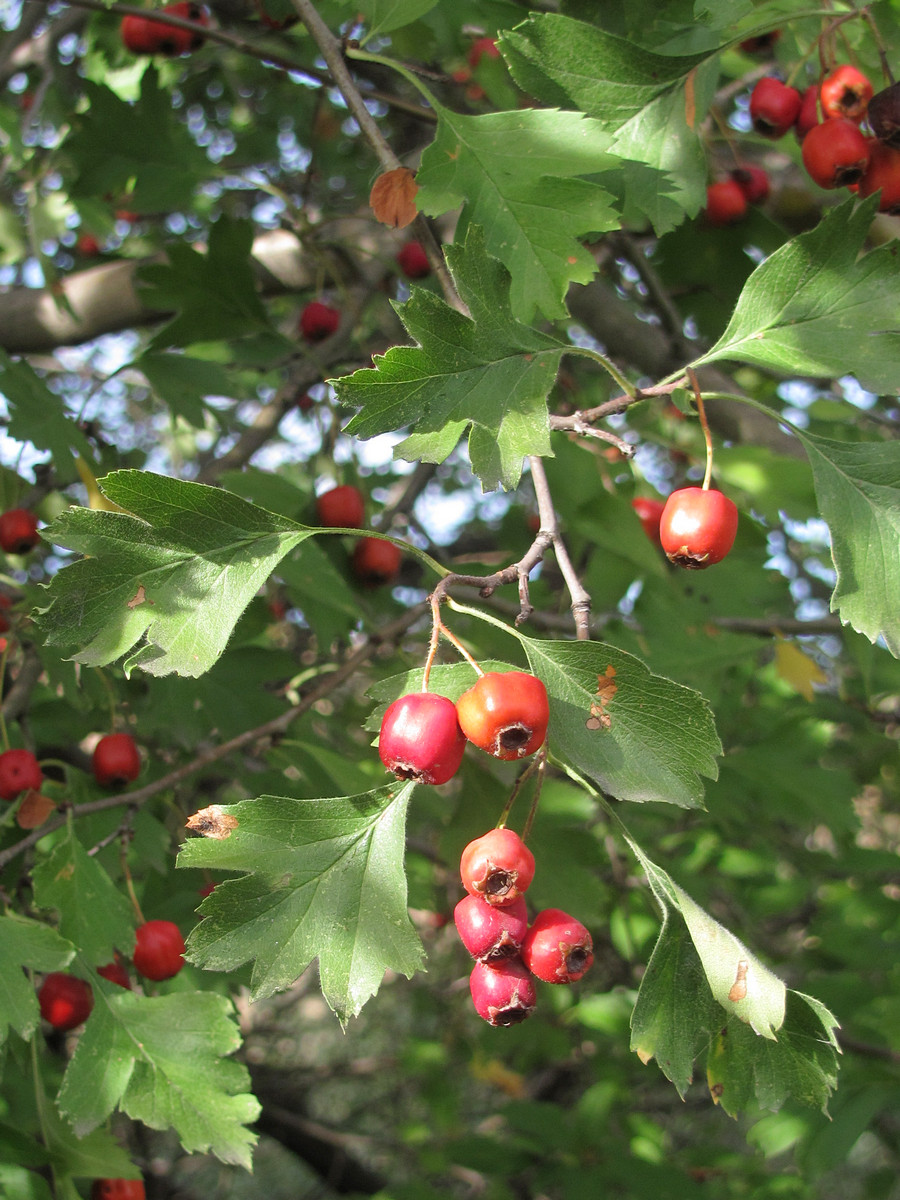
[26, 944]
[93, 912]
[858, 490]
[515, 173]
[818, 306]
[38, 416]
[325, 880]
[490, 375]
[94, 1155]
[382, 16]
[167, 579]
[162, 1060]
[181, 382]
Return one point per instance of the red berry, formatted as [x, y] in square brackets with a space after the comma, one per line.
[883, 174]
[753, 182]
[87, 246]
[421, 739]
[503, 994]
[884, 115]
[19, 771]
[497, 866]
[835, 153]
[649, 511]
[116, 760]
[489, 932]
[65, 1001]
[158, 950]
[318, 321]
[773, 107]
[762, 43]
[115, 973]
[18, 531]
[505, 713]
[557, 948]
[6, 602]
[413, 261]
[117, 1189]
[697, 527]
[481, 48]
[846, 92]
[808, 117]
[141, 36]
[726, 204]
[375, 562]
[341, 507]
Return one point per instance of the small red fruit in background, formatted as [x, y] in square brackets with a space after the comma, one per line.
[6, 603]
[158, 950]
[318, 321]
[497, 866]
[413, 261]
[341, 507]
[141, 36]
[697, 527]
[846, 92]
[726, 204]
[87, 246]
[115, 973]
[489, 932]
[116, 760]
[503, 994]
[421, 739]
[64, 1000]
[808, 116]
[774, 107]
[118, 1189]
[835, 153]
[649, 511]
[884, 115]
[19, 771]
[505, 713]
[557, 948]
[753, 182]
[762, 43]
[484, 47]
[883, 174]
[376, 562]
[18, 531]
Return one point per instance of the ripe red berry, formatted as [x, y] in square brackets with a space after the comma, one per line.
[773, 107]
[158, 950]
[116, 760]
[497, 866]
[19, 771]
[808, 116]
[87, 246]
[883, 174]
[18, 531]
[341, 507]
[483, 47]
[753, 182]
[490, 932]
[557, 948]
[835, 153]
[505, 713]
[65, 1001]
[421, 739]
[846, 92]
[726, 204]
[375, 562]
[649, 511]
[318, 321]
[118, 1189]
[884, 115]
[503, 994]
[697, 527]
[141, 36]
[413, 261]
[115, 972]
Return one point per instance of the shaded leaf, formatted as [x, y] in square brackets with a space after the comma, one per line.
[26, 944]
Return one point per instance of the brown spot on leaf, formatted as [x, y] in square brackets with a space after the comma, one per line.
[212, 822]
[34, 809]
[393, 197]
[139, 597]
[739, 987]
[606, 689]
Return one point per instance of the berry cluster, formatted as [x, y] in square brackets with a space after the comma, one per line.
[374, 561]
[423, 735]
[849, 137]
[492, 921]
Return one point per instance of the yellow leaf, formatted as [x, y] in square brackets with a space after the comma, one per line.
[797, 669]
[96, 499]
